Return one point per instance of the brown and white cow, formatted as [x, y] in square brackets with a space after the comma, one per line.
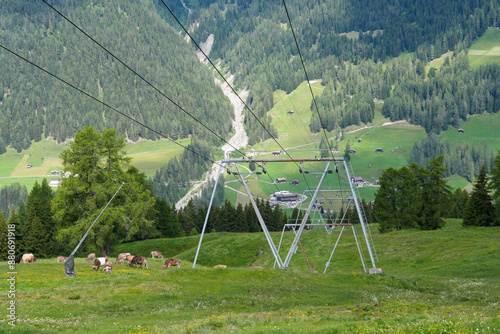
[121, 257]
[90, 257]
[61, 259]
[129, 258]
[172, 262]
[157, 254]
[108, 266]
[139, 260]
[100, 261]
[28, 258]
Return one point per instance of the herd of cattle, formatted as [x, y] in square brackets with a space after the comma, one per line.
[132, 260]
[106, 265]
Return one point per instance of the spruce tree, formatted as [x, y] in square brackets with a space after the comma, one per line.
[479, 210]
[166, 219]
[433, 194]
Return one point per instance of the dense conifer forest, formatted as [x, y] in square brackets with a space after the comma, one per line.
[348, 40]
[35, 105]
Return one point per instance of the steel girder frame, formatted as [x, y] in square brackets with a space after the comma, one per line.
[283, 264]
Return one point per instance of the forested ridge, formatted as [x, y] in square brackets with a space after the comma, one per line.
[342, 43]
[254, 39]
[35, 105]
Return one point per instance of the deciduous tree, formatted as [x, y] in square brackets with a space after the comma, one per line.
[97, 166]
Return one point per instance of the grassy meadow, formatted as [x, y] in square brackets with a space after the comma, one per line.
[486, 49]
[147, 156]
[445, 281]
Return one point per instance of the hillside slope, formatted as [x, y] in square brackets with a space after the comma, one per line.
[35, 105]
[433, 281]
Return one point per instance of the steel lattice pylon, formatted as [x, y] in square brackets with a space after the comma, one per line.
[284, 263]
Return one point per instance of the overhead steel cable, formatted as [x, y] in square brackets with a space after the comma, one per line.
[114, 109]
[142, 78]
[146, 81]
[268, 77]
[307, 76]
[105, 104]
[278, 73]
[310, 87]
[222, 76]
[230, 86]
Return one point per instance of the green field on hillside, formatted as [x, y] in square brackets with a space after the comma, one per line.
[444, 281]
[486, 49]
[293, 130]
[478, 128]
[147, 156]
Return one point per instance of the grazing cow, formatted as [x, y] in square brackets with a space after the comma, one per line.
[28, 258]
[157, 254]
[223, 266]
[100, 261]
[129, 258]
[17, 259]
[172, 262]
[139, 260]
[121, 257]
[90, 257]
[108, 266]
[61, 259]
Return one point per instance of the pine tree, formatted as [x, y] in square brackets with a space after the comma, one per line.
[479, 210]
[397, 199]
[36, 238]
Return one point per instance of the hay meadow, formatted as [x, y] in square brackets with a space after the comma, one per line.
[445, 281]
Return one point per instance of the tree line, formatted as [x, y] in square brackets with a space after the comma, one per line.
[464, 160]
[419, 197]
[52, 222]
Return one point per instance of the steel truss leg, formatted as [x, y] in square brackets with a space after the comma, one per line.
[360, 215]
[293, 248]
[208, 213]
[261, 221]
[333, 251]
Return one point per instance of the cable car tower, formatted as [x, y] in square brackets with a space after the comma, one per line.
[337, 162]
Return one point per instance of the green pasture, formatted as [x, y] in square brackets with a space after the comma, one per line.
[146, 146]
[28, 181]
[444, 281]
[147, 156]
[293, 130]
[438, 62]
[229, 191]
[486, 49]
[482, 128]
[150, 162]
[457, 182]
[9, 161]
[396, 140]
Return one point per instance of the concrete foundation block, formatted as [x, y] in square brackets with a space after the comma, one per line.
[374, 271]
